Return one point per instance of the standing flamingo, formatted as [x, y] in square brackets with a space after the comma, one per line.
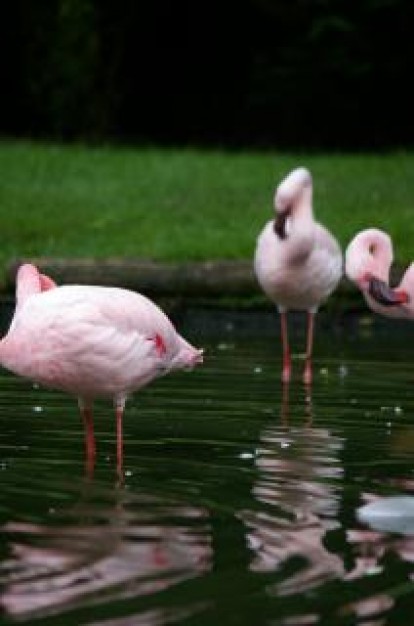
[298, 262]
[90, 342]
[368, 261]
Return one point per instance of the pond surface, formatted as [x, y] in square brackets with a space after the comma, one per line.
[239, 497]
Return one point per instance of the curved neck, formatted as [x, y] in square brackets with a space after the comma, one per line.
[301, 227]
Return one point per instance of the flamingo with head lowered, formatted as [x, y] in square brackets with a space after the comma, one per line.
[91, 342]
[368, 260]
[298, 263]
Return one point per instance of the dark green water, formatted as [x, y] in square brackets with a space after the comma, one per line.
[239, 497]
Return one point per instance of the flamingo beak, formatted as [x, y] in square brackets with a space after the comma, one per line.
[382, 293]
[280, 223]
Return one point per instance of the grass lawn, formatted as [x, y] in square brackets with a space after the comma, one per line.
[178, 204]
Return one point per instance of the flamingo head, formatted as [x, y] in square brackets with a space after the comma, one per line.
[369, 254]
[288, 196]
[368, 260]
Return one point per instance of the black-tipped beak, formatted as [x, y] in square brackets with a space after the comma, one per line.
[280, 224]
[382, 293]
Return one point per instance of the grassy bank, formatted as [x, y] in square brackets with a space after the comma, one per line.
[172, 204]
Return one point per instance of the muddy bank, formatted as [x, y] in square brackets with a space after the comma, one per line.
[222, 282]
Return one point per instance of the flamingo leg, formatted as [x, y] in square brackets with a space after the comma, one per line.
[90, 447]
[307, 372]
[119, 411]
[286, 369]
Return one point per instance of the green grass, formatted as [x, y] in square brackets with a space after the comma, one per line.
[185, 204]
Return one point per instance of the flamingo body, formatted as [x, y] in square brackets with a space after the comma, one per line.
[368, 260]
[301, 281]
[90, 341]
[298, 263]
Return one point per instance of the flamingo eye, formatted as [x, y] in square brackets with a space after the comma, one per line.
[372, 248]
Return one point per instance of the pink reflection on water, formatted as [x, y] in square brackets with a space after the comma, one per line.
[140, 546]
[297, 490]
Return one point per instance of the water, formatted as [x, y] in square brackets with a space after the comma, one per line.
[239, 497]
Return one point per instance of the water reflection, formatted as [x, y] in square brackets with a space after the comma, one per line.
[131, 546]
[370, 555]
[298, 486]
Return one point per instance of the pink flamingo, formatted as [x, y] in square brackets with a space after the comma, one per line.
[298, 262]
[90, 342]
[368, 261]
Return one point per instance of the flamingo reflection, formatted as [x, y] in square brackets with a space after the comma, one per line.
[132, 546]
[297, 494]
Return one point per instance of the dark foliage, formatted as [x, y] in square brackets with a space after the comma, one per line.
[268, 73]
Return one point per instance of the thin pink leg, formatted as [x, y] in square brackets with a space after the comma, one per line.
[286, 370]
[90, 447]
[307, 372]
[119, 410]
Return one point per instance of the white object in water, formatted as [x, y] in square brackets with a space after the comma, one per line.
[389, 514]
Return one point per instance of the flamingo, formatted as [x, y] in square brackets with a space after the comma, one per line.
[91, 342]
[298, 262]
[368, 260]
